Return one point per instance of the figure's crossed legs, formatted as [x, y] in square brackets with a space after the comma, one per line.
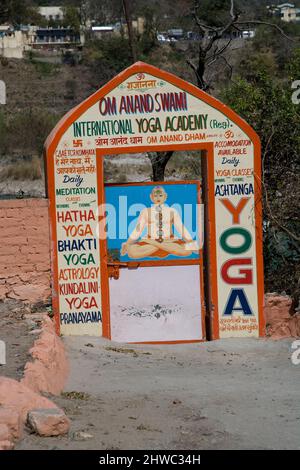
[140, 251]
[149, 247]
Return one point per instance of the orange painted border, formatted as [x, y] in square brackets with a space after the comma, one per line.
[140, 67]
[161, 262]
[103, 257]
[153, 183]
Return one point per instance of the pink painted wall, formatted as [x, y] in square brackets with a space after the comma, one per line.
[24, 250]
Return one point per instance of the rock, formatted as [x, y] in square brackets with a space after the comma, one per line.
[48, 422]
[10, 419]
[31, 324]
[36, 317]
[35, 332]
[177, 401]
[49, 369]
[277, 307]
[17, 400]
[294, 325]
[6, 445]
[82, 436]
[280, 322]
[4, 433]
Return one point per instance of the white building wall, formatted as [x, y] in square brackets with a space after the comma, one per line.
[55, 13]
[289, 14]
[13, 46]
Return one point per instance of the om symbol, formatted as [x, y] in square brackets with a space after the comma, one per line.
[229, 134]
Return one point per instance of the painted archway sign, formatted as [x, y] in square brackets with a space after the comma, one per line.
[142, 109]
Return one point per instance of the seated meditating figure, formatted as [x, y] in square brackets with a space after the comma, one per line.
[159, 240]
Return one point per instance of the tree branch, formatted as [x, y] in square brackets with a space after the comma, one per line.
[266, 23]
[200, 82]
[217, 51]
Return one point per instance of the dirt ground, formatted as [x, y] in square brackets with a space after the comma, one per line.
[227, 394]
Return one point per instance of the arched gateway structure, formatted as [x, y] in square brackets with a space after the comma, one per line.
[146, 109]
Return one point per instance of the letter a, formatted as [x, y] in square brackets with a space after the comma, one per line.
[244, 305]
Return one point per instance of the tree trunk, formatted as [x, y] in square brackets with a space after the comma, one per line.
[130, 31]
[159, 162]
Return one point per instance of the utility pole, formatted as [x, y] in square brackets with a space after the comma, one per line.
[130, 31]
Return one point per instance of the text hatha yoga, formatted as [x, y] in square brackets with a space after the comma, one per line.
[75, 216]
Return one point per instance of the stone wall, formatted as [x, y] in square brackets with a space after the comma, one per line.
[24, 250]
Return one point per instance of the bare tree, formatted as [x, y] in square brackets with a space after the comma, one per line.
[159, 162]
[210, 50]
[130, 31]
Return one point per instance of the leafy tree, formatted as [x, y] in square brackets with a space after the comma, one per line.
[71, 18]
[107, 57]
[148, 39]
[266, 103]
[268, 39]
[13, 11]
[104, 12]
[19, 12]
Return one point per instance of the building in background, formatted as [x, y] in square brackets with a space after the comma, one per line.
[138, 26]
[14, 42]
[49, 38]
[52, 13]
[102, 31]
[286, 12]
[99, 32]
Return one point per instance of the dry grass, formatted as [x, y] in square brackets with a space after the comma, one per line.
[74, 395]
[184, 166]
[22, 170]
[115, 173]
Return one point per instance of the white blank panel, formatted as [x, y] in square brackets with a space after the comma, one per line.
[156, 304]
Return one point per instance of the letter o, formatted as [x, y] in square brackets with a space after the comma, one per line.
[235, 250]
[103, 109]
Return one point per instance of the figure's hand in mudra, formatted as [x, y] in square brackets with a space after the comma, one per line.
[192, 246]
[124, 249]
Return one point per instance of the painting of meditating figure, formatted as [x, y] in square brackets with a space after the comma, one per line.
[153, 222]
[159, 231]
